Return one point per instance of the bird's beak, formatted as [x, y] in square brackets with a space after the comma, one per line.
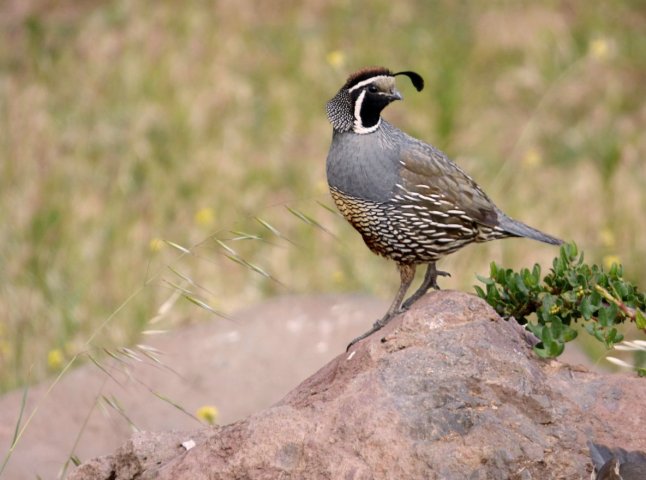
[395, 95]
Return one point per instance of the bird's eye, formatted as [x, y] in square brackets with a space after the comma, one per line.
[373, 89]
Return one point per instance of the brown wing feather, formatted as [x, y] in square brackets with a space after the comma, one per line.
[427, 171]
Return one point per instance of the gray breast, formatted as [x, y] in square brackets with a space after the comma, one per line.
[364, 166]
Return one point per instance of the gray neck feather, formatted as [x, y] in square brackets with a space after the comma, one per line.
[339, 111]
[365, 166]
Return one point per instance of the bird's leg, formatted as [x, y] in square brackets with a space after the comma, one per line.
[406, 274]
[430, 281]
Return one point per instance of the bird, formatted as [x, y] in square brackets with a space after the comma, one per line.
[617, 463]
[406, 198]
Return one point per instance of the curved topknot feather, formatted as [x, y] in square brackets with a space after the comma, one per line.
[369, 72]
[415, 78]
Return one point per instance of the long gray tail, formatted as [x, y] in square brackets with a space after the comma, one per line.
[519, 229]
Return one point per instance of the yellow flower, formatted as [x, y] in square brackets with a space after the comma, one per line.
[55, 359]
[208, 414]
[156, 244]
[532, 158]
[607, 237]
[609, 260]
[205, 217]
[338, 276]
[599, 48]
[335, 58]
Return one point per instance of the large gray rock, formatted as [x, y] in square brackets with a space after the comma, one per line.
[447, 390]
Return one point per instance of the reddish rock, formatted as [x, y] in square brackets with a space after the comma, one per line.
[447, 390]
[242, 366]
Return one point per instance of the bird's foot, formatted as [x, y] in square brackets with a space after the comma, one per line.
[429, 282]
[378, 325]
[438, 273]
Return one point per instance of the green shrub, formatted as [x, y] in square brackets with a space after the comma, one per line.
[571, 292]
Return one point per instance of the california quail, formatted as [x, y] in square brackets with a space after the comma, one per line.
[617, 464]
[407, 199]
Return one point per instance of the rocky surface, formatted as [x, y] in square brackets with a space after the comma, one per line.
[447, 390]
[241, 366]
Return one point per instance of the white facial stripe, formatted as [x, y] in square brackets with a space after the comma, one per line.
[358, 126]
[357, 110]
[367, 82]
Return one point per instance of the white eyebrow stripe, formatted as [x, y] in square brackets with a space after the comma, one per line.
[368, 81]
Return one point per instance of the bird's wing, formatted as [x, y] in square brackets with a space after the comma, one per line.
[428, 172]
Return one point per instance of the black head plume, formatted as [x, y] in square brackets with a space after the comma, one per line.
[415, 78]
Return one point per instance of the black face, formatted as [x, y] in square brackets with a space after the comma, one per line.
[368, 103]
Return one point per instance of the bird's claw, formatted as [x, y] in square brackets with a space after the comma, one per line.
[378, 325]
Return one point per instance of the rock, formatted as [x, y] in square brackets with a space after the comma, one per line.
[447, 390]
[143, 452]
[241, 366]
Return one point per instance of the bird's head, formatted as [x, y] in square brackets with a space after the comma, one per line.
[357, 106]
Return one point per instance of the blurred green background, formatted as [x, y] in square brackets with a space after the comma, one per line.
[127, 124]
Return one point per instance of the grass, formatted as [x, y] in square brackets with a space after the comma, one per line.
[147, 147]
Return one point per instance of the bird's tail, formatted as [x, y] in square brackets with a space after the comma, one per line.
[519, 229]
